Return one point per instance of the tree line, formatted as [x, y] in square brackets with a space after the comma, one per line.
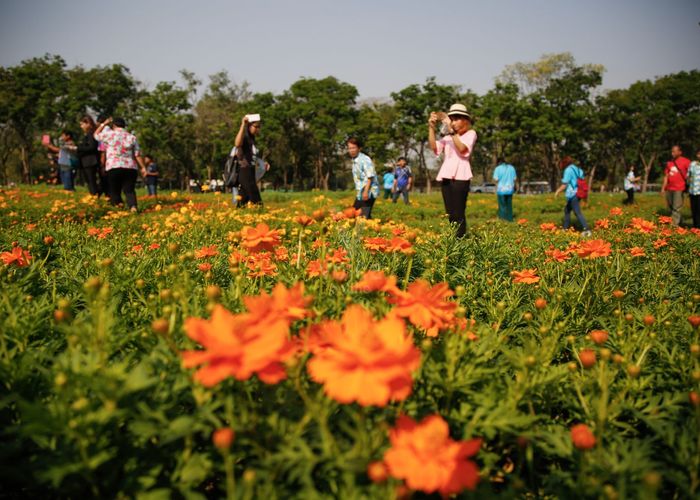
[535, 114]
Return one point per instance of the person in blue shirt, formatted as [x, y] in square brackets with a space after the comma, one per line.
[403, 180]
[388, 183]
[151, 175]
[67, 159]
[506, 177]
[569, 182]
[365, 178]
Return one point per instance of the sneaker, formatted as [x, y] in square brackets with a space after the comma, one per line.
[133, 209]
[585, 234]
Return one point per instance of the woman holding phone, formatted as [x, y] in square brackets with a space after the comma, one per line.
[456, 172]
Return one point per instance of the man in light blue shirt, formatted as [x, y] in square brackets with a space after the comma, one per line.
[365, 178]
[506, 177]
[569, 182]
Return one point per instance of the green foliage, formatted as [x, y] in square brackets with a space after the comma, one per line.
[95, 402]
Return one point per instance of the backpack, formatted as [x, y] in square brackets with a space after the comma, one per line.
[581, 188]
[231, 170]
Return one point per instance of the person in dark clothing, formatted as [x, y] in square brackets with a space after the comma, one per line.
[248, 159]
[88, 155]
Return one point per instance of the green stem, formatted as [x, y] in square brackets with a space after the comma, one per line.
[408, 272]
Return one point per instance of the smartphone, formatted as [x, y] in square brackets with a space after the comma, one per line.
[253, 118]
[46, 139]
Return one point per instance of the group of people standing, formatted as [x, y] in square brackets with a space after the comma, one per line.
[681, 176]
[108, 157]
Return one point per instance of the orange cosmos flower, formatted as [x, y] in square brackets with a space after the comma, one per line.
[205, 252]
[398, 244]
[527, 276]
[665, 219]
[557, 255]
[153, 246]
[316, 268]
[582, 437]
[289, 304]
[366, 361]
[376, 281]
[425, 306]
[337, 256]
[592, 249]
[615, 211]
[282, 254]
[641, 225]
[661, 242]
[339, 276]
[522, 222]
[250, 343]
[204, 267]
[637, 252]
[260, 237]
[602, 224]
[236, 347]
[16, 256]
[260, 265]
[100, 233]
[424, 455]
[377, 244]
[548, 226]
[303, 220]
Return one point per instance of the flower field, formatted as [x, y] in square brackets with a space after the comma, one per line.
[194, 350]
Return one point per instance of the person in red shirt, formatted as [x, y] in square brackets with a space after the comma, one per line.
[676, 175]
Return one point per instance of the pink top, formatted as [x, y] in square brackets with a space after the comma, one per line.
[121, 148]
[456, 166]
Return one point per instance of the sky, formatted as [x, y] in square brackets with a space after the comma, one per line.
[380, 46]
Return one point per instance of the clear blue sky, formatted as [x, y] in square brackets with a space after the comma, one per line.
[379, 46]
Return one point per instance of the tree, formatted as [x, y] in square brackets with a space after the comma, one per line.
[30, 96]
[561, 95]
[319, 113]
[217, 117]
[164, 126]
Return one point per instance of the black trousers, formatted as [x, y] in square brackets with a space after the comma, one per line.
[89, 175]
[248, 188]
[630, 197]
[695, 209]
[365, 206]
[122, 179]
[454, 194]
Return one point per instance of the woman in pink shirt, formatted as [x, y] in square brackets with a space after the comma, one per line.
[123, 160]
[456, 171]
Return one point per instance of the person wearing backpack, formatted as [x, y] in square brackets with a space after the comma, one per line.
[576, 187]
[676, 175]
[248, 158]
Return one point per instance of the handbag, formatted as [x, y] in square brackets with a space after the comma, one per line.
[231, 171]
